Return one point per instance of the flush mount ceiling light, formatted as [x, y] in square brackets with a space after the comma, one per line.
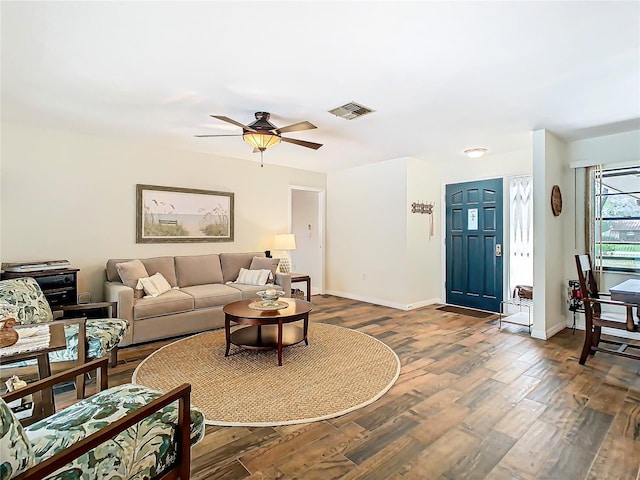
[475, 152]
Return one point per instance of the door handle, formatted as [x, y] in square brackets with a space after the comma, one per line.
[498, 249]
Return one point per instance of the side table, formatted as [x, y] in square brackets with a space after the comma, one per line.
[91, 310]
[301, 277]
[57, 341]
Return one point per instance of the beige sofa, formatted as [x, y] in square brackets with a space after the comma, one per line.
[195, 305]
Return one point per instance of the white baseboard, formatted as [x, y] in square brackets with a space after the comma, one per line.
[423, 303]
[384, 303]
[547, 334]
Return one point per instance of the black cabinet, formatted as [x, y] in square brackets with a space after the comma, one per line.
[60, 287]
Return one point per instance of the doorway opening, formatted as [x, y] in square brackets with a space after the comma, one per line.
[307, 209]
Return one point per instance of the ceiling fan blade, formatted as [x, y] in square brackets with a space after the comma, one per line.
[234, 135]
[227, 119]
[296, 127]
[302, 143]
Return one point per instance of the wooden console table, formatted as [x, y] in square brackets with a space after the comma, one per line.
[60, 286]
[301, 277]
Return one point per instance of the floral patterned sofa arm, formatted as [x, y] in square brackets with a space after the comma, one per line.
[129, 431]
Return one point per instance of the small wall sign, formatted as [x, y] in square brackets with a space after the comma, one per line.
[472, 223]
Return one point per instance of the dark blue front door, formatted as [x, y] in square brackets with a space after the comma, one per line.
[474, 244]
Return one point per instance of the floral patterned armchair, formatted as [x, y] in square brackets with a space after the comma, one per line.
[87, 339]
[124, 432]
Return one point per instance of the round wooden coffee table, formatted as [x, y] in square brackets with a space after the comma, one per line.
[266, 329]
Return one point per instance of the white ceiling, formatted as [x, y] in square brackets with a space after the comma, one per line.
[442, 76]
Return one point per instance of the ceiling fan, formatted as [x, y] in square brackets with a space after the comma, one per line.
[263, 134]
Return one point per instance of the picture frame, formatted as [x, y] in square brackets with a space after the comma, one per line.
[179, 215]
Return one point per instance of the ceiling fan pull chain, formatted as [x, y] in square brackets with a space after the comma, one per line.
[261, 159]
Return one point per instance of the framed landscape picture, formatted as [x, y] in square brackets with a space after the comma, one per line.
[172, 214]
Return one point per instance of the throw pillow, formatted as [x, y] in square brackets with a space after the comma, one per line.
[154, 285]
[262, 263]
[253, 277]
[131, 271]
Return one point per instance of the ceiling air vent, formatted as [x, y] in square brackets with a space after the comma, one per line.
[351, 110]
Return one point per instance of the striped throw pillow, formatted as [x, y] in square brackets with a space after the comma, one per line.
[253, 277]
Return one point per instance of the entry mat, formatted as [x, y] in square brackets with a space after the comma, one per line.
[470, 312]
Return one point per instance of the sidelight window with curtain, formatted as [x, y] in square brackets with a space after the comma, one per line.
[614, 218]
[521, 231]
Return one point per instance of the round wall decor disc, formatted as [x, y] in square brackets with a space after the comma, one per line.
[556, 200]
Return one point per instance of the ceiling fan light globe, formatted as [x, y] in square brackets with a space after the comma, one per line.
[261, 140]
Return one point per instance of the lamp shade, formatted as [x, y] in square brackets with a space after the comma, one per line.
[261, 140]
[284, 241]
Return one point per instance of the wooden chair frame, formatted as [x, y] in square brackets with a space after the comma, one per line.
[82, 337]
[82, 359]
[594, 318]
[181, 469]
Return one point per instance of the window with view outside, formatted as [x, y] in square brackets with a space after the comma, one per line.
[616, 219]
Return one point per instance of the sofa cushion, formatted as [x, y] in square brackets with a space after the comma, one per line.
[232, 263]
[260, 263]
[198, 270]
[164, 265]
[249, 291]
[212, 295]
[173, 301]
[130, 272]
[149, 445]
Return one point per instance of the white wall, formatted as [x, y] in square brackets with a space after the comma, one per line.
[619, 148]
[423, 251]
[366, 233]
[549, 280]
[459, 168]
[72, 196]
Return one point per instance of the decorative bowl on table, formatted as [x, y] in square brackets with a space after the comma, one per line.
[270, 296]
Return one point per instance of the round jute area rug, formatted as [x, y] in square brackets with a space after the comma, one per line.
[340, 370]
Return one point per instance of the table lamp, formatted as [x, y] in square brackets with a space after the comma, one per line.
[284, 242]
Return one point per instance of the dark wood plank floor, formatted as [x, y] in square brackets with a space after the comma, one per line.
[472, 402]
